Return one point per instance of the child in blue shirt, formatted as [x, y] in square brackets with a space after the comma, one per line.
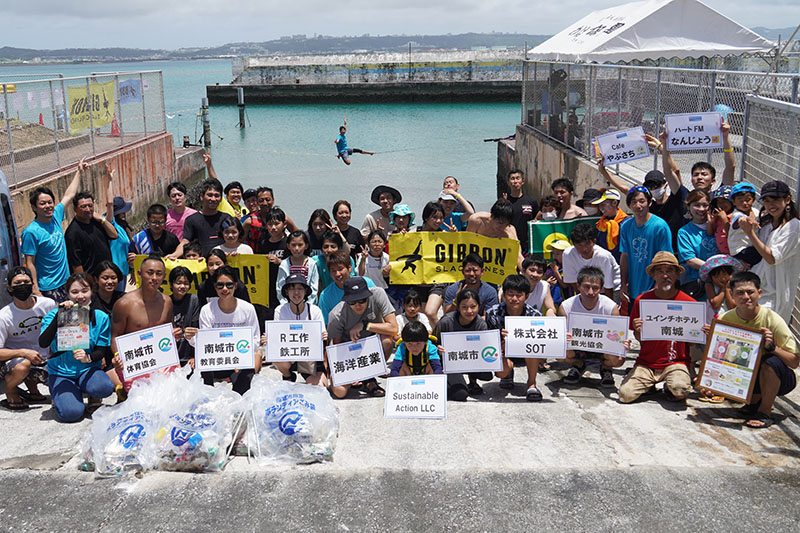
[415, 354]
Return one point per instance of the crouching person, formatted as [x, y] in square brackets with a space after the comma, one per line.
[74, 373]
[665, 360]
[415, 354]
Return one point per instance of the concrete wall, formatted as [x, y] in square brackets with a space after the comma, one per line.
[143, 171]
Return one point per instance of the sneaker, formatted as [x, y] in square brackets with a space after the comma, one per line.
[507, 382]
[607, 378]
[573, 376]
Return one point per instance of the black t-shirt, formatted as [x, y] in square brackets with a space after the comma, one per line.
[164, 245]
[673, 211]
[87, 245]
[279, 248]
[100, 305]
[525, 209]
[354, 239]
[185, 314]
[204, 229]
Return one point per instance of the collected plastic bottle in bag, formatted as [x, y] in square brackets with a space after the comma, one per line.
[290, 422]
[118, 435]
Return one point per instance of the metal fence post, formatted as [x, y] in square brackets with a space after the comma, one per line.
[565, 123]
[549, 101]
[536, 97]
[590, 109]
[744, 137]
[119, 112]
[524, 91]
[710, 153]
[144, 114]
[619, 107]
[163, 105]
[64, 103]
[795, 82]
[657, 124]
[8, 132]
[91, 114]
[55, 129]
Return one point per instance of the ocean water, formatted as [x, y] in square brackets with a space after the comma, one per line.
[291, 147]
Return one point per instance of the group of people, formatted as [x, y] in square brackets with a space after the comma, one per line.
[708, 244]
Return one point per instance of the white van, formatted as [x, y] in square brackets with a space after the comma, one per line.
[9, 239]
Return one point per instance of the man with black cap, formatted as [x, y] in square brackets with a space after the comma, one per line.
[585, 203]
[296, 291]
[87, 236]
[385, 197]
[363, 311]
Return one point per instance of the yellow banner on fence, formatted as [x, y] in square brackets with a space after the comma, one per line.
[426, 257]
[253, 272]
[101, 104]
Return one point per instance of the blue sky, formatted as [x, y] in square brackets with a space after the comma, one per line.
[181, 23]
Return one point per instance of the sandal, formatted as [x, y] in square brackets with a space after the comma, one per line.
[711, 398]
[748, 410]
[31, 397]
[14, 406]
[534, 395]
[376, 391]
[766, 421]
[474, 389]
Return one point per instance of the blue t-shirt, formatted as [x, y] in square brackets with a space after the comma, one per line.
[46, 242]
[332, 295]
[693, 242]
[119, 249]
[341, 143]
[486, 293]
[454, 220]
[325, 278]
[64, 364]
[641, 243]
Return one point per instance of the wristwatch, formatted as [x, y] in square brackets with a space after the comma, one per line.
[769, 348]
[365, 323]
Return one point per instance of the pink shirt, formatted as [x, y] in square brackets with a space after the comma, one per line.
[175, 221]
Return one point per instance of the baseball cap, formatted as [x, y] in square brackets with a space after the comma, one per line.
[560, 244]
[775, 189]
[608, 194]
[656, 177]
[589, 195]
[355, 289]
[445, 196]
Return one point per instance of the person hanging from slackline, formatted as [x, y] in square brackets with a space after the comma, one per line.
[341, 145]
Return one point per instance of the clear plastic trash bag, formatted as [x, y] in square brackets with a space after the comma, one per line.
[290, 422]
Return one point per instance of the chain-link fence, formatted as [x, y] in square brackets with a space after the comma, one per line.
[772, 152]
[574, 103]
[49, 124]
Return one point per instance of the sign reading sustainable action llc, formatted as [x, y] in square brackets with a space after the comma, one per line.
[425, 257]
[146, 351]
[416, 397]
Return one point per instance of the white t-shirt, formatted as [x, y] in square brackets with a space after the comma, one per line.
[779, 281]
[601, 258]
[211, 316]
[605, 305]
[19, 328]
[737, 238]
[310, 312]
[373, 268]
[241, 249]
[536, 297]
[402, 320]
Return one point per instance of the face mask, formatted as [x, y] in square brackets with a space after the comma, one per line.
[549, 216]
[22, 292]
[591, 210]
[658, 194]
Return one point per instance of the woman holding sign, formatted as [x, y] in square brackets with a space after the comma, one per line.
[228, 311]
[74, 372]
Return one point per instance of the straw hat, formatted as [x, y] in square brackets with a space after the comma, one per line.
[663, 258]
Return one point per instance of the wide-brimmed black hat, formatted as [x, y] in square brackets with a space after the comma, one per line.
[121, 206]
[380, 189]
[355, 289]
[295, 279]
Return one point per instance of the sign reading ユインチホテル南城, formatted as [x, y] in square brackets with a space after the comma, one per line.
[672, 320]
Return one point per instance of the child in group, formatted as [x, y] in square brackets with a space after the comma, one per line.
[374, 261]
[743, 195]
[412, 303]
[533, 268]
[549, 208]
[415, 354]
[232, 235]
[332, 242]
[715, 273]
[273, 244]
[185, 310]
[298, 262]
[559, 289]
[402, 218]
[206, 292]
[720, 220]
[192, 251]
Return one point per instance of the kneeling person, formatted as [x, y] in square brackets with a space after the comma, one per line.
[416, 355]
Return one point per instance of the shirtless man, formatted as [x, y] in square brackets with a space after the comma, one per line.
[146, 307]
[496, 223]
[563, 190]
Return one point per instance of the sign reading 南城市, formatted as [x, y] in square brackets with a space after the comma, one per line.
[146, 351]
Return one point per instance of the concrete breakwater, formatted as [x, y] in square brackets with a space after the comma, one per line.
[390, 77]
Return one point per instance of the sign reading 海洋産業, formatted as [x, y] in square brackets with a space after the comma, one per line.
[425, 257]
[693, 131]
[294, 340]
[356, 361]
[536, 336]
[224, 349]
[146, 351]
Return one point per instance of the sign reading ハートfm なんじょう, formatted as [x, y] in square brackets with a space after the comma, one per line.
[672, 320]
[536, 336]
[623, 146]
[422, 396]
[471, 351]
[253, 270]
[693, 131]
[425, 257]
[356, 361]
[225, 348]
[294, 341]
[146, 351]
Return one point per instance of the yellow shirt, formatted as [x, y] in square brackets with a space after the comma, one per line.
[233, 210]
[766, 318]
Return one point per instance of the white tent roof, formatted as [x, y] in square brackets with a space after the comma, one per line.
[651, 29]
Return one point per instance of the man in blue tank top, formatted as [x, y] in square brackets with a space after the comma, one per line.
[341, 145]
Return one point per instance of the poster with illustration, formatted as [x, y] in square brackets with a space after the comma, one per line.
[730, 361]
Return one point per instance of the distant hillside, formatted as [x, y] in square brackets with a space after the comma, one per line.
[298, 44]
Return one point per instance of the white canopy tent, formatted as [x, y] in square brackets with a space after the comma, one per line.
[651, 29]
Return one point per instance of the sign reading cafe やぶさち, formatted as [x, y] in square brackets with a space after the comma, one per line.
[425, 257]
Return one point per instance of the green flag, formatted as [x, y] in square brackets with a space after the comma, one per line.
[541, 233]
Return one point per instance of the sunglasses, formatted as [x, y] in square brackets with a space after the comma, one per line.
[225, 285]
[357, 302]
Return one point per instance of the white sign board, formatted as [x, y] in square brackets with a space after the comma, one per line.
[294, 340]
[623, 146]
[471, 351]
[146, 351]
[356, 361]
[536, 336]
[730, 362]
[598, 334]
[693, 131]
[672, 320]
[224, 349]
[416, 397]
